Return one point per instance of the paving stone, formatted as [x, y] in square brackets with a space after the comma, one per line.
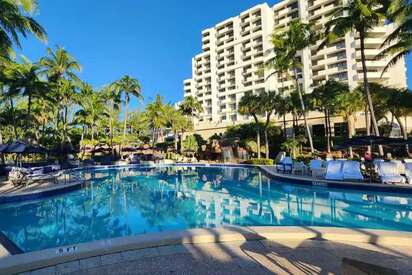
[44, 271]
[111, 258]
[90, 262]
[68, 267]
[172, 249]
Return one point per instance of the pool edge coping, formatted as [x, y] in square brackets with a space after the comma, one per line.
[50, 257]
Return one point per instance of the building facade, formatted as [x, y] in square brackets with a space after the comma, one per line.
[234, 53]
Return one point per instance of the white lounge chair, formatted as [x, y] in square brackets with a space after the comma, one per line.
[408, 172]
[399, 165]
[334, 170]
[299, 168]
[316, 168]
[285, 165]
[389, 173]
[352, 170]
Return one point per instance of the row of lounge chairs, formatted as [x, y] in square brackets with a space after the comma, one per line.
[19, 176]
[394, 171]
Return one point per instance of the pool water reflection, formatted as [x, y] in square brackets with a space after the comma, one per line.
[131, 201]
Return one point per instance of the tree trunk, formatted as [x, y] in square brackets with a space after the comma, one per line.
[175, 139]
[403, 132]
[257, 135]
[366, 88]
[327, 131]
[111, 125]
[351, 124]
[266, 143]
[126, 113]
[284, 126]
[312, 149]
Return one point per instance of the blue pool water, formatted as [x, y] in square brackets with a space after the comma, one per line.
[132, 201]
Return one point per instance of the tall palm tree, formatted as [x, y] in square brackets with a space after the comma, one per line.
[24, 79]
[16, 22]
[323, 98]
[177, 122]
[130, 87]
[287, 44]
[60, 68]
[268, 105]
[249, 105]
[190, 106]
[111, 94]
[398, 43]
[92, 107]
[156, 117]
[347, 103]
[359, 16]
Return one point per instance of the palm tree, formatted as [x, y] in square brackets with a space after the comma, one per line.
[60, 64]
[111, 94]
[130, 87]
[249, 105]
[323, 98]
[191, 106]
[15, 22]
[398, 43]
[287, 44]
[177, 122]
[60, 68]
[155, 116]
[24, 79]
[347, 104]
[92, 107]
[359, 16]
[268, 105]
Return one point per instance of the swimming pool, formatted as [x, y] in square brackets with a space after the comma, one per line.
[130, 201]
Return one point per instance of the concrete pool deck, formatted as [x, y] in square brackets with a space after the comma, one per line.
[283, 250]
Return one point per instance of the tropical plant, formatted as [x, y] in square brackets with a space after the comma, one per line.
[16, 22]
[358, 16]
[398, 43]
[129, 87]
[156, 118]
[287, 44]
[190, 144]
[112, 95]
[323, 99]
[347, 104]
[268, 104]
[249, 105]
[190, 106]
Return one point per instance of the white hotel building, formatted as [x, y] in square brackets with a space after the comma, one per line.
[234, 50]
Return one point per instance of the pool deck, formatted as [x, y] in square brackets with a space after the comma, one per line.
[232, 250]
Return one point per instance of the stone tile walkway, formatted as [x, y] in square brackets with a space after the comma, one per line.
[252, 257]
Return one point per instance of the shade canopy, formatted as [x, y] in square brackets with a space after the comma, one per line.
[373, 140]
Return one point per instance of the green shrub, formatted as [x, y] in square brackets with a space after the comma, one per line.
[260, 161]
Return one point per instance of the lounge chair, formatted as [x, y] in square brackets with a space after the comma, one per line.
[334, 170]
[408, 172]
[316, 168]
[399, 165]
[285, 165]
[299, 168]
[23, 176]
[388, 173]
[352, 170]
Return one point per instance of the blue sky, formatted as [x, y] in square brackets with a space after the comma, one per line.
[150, 40]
